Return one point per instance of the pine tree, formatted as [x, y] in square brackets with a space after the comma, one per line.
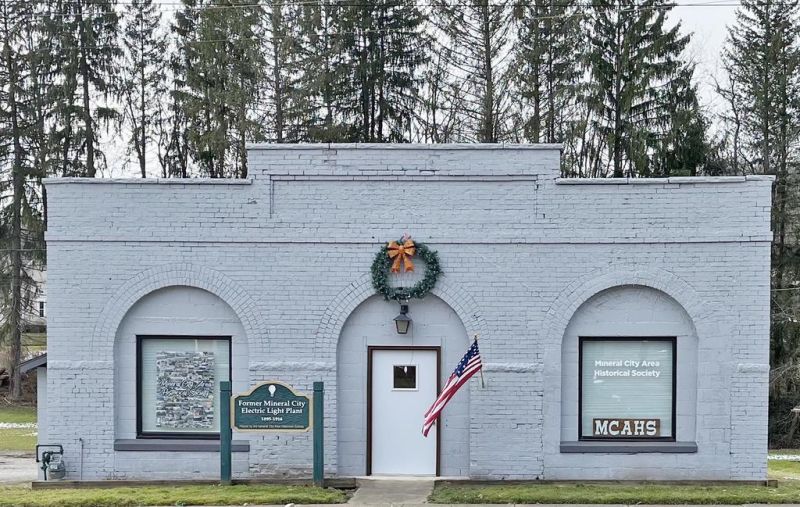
[681, 149]
[20, 222]
[287, 114]
[175, 148]
[762, 58]
[223, 68]
[385, 48]
[548, 62]
[477, 34]
[86, 54]
[631, 55]
[321, 84]
[142, 84]
[172, 129]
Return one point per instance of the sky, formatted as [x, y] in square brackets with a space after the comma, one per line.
[706, 20]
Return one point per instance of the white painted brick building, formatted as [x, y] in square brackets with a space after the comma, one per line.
[548, 272]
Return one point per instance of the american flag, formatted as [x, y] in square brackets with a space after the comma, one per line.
[469, 365]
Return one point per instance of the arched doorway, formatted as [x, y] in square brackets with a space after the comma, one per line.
[386, 381]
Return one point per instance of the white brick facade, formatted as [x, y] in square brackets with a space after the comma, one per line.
[289, 252]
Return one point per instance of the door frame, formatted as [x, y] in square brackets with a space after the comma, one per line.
[370, 349]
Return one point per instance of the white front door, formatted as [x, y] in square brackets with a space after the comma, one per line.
[403, 387]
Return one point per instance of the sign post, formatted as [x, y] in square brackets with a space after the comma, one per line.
[225, 432]
[319, 426]
[275, 406]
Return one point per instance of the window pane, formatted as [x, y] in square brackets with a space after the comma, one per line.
[180, 384]
[626, 388]
[405, 377]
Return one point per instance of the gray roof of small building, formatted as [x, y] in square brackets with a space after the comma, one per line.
[33, 363]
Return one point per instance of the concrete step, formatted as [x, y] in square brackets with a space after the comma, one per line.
[393, 491]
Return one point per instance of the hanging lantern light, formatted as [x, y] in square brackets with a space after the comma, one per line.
[402, 322]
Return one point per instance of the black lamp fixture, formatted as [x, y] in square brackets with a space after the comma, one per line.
[402, 322]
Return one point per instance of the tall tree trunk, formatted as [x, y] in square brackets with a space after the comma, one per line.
[781, 183]
[327, 91]
[87, 110]
[488, 127]
[736, 130]
[618, 173]
[242, 140]
[18, 182]
[551, 78]
[537, 87]
[142, 150]
[766, 99]
[278, 38]
[381, 73]
[365, 95]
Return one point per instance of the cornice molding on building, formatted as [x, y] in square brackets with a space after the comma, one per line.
[292, 366]
[403, 146]
[148, 181]
[682, 180]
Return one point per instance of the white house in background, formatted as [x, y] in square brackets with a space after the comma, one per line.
[34, 314]
[34, 317]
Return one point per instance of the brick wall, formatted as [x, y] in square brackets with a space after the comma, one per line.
[290, 249]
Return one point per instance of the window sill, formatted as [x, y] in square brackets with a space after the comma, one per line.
[628, 447]
[177, 445]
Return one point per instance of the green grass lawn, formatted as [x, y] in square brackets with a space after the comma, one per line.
[17, 439]
[784, 470]
[177, 495]
[787, 491]
[17, 414]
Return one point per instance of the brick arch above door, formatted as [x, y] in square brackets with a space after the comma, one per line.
[348, 299]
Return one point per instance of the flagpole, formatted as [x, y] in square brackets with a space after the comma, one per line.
[483, 383]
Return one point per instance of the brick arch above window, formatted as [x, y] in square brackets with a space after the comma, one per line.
[703, 314]
[183, 274]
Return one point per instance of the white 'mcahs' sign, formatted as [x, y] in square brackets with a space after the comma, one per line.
[626, 428]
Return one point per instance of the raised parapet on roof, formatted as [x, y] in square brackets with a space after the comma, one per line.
[406, 160]
[511, 193]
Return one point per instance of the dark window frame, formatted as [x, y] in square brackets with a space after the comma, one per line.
[167, 434]
[674, 341]
[394, 378]
[41, 309]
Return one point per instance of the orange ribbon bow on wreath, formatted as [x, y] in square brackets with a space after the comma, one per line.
[402, 253]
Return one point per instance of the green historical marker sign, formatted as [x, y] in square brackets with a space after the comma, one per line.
[271, 406]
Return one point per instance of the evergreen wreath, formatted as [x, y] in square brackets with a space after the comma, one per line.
[381, 267]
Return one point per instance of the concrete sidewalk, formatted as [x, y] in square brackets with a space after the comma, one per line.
[17, 469]
[525, 505]
[377, 491]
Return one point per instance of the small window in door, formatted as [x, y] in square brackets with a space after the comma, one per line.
[405, 376]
